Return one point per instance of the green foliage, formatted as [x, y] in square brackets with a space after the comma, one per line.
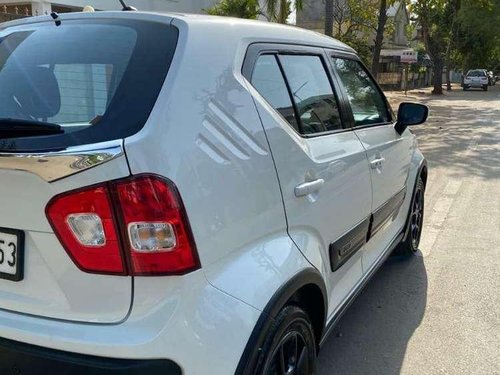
[361, 46]
[437, 19]
[478, 35]
[460, 33]
[235, 8]
[353, 19]
[420, 66]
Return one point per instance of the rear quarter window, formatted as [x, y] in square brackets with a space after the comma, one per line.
[97, 79]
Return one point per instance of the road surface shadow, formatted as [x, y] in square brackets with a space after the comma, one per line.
[446, 140]
[372, 336]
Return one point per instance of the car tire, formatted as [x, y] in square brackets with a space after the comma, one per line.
[409, 246]
[465, 88]
[485, 88]
[289, 345]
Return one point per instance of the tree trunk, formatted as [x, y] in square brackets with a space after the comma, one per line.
[437, 80]
[283, 11]
[379, 38]
[329, 17]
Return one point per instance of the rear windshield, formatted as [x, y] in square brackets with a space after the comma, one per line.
[476, 73]
[97, 79]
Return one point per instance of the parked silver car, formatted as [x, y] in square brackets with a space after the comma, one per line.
[476, 78]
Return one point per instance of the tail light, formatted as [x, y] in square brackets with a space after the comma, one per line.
[135, 226]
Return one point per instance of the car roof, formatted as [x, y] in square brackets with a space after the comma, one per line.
[231, 27]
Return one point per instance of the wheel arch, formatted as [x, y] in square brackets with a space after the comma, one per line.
[421, 173]
[305, 289]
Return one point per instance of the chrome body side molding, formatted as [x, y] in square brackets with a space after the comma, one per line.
[53, 166]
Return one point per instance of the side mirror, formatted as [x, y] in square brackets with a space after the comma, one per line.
[410, 114]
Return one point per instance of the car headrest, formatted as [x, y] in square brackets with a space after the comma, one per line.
[37, 91]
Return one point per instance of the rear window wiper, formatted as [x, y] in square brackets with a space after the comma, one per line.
[17, 128]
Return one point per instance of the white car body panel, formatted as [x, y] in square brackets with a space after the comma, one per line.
[316, 220]
[186, 313]
[388, 178]
[53, 286]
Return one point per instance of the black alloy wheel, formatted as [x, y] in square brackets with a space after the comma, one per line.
[290, 347]
[409, 245]
[289, 357]
[417, 218]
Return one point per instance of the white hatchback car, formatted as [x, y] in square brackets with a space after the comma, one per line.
[191, 194]
[476, 78]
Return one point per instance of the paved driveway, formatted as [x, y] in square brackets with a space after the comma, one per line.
[438, 312]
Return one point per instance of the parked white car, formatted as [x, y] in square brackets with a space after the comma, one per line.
[476, 78]
[190, 194]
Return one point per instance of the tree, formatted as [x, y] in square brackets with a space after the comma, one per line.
[280, 10]
[436, 18]
[379, 36]
[235, 8]
[479, 33]
[350, 18]
[329, 17]
[352, 22]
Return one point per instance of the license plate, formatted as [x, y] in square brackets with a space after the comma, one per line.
[11, 254]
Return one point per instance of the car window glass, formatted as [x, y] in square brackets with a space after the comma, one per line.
[367, 103]
[98, 80]
[476, 73]
[84, 90]
[312, 93]
[269, 82]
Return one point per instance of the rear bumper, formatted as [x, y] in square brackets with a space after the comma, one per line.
[183, 319]
[23, 359]
[475, 84]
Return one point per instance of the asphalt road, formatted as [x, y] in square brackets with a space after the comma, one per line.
[438, 312]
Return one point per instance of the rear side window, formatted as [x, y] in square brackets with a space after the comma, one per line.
[269, 82]
[312, 93]
[97, 79]
[297, 86]
[367, 102]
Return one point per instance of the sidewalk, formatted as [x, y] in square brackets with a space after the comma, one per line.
[421, 95]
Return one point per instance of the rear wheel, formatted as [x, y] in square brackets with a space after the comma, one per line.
[410, 245]
[289, 347]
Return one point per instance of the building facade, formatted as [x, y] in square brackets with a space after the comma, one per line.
[39, 7]
[396, 47]
[312, 17]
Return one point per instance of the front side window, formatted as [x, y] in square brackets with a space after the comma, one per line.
[367, 103]
[312, 93]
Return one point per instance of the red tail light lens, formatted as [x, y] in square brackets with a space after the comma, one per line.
[135, 226]
[103, 255]
[159, 239]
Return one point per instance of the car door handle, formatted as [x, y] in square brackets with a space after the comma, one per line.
[377, 163]
[308, 187]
